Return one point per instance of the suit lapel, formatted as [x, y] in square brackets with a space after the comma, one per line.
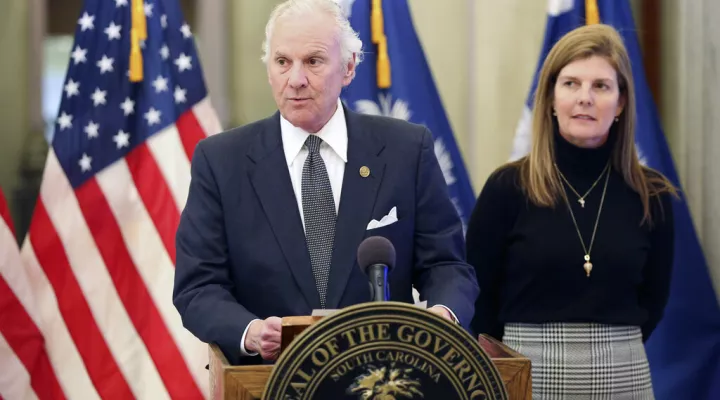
[271, 180]
[356, 203]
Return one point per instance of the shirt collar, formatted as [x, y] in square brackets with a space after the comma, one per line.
[334, 133]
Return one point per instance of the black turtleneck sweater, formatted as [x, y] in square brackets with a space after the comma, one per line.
[529, 260]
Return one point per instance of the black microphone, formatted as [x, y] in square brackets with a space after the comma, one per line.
[376, 257]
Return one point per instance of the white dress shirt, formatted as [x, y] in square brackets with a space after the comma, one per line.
[333, 151]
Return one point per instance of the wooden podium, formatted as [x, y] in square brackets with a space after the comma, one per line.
[229, 382]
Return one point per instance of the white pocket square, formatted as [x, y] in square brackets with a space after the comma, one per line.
[391, 218]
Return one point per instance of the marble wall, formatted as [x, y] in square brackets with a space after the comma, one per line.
[14, 102]
[691, 100]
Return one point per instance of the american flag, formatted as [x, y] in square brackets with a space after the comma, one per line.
[20, 341]
[100, 253]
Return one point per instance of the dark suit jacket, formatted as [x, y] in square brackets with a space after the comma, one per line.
[241, 251]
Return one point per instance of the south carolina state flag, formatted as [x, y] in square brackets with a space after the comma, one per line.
[411, 95]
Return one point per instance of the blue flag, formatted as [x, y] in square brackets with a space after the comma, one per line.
[412, 95]
[684, 349]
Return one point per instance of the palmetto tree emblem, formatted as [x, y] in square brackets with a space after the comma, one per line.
[386, 384]
[400, 109]
[385, 106]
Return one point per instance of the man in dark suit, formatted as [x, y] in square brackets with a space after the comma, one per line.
[277, 208]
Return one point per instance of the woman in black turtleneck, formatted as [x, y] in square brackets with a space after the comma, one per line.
[573, 244]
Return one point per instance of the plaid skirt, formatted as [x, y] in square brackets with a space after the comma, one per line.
[583, 360]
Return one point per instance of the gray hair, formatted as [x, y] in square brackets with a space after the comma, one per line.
[350, 42]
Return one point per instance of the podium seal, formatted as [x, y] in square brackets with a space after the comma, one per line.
[384, 351]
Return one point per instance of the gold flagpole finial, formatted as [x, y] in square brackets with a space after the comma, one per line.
[138, 32]
[592, 15]
[378, 37]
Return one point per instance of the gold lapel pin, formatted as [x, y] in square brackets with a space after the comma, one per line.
[364, 171]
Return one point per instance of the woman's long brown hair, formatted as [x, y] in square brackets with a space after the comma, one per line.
[538, 177]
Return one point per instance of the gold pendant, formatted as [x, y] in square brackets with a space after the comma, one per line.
[588, 265]
[582, 202]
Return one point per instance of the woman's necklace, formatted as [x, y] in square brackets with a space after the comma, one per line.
[581, 199]
[588, 265]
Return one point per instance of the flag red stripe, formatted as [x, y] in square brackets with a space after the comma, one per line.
[134, 294]
[5, 213]
[28, 343]
[155, 194]
[190, 132]
[101, 366]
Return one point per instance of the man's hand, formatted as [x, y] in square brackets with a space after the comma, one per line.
[442, 312]
[263, 337]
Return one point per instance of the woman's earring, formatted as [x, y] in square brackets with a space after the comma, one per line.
[554, 113]
[617, 119]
